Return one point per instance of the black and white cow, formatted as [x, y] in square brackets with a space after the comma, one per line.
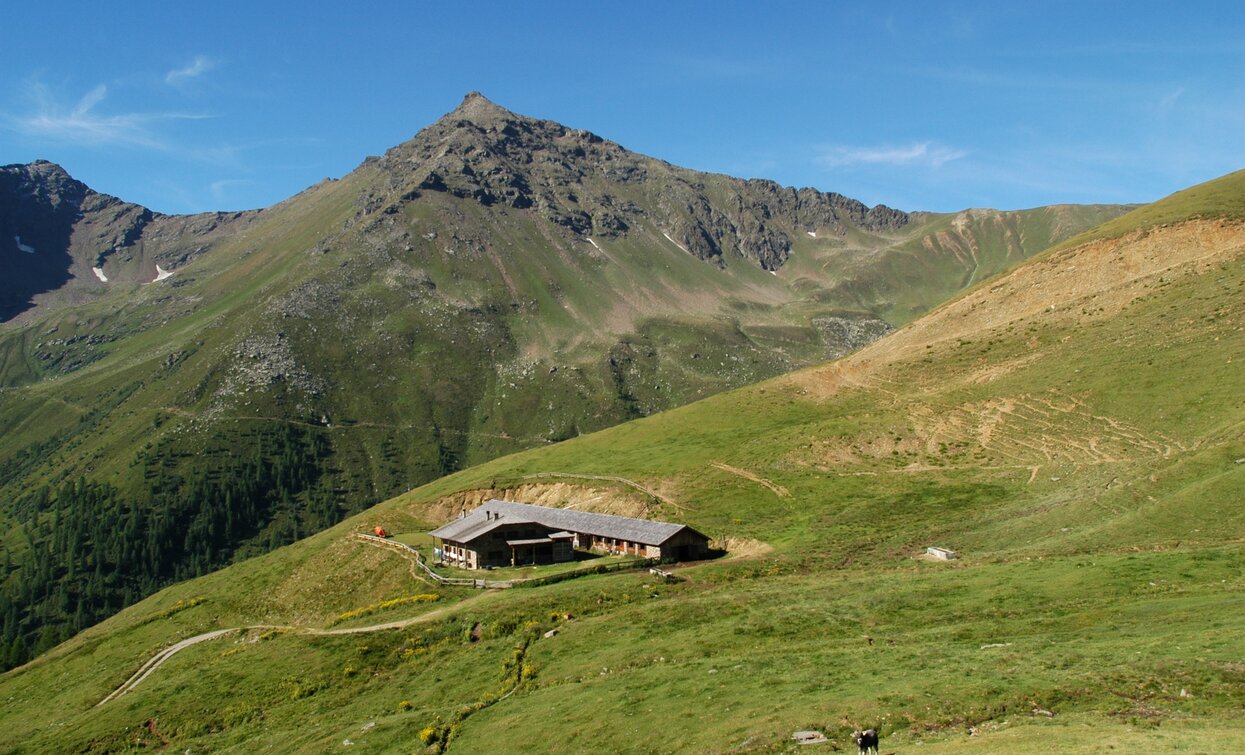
[866, 741]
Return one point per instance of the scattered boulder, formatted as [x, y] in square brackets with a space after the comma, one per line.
[809, 737]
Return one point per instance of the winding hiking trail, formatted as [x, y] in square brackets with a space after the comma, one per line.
[158, 659]
[404, 550]
[151, 665]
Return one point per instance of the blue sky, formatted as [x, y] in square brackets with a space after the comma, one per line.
[935, 106]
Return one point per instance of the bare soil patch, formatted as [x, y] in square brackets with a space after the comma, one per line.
[599, 499]
[1024, 431]
[743, 547]
[1089, 282]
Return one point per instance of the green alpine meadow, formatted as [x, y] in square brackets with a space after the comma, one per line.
[972, 481]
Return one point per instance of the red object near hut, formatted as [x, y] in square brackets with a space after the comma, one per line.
[379, 532]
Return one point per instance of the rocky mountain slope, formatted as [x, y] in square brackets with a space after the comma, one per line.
[573, 179]
[63, 241]
[496, 283]
[1073, 428]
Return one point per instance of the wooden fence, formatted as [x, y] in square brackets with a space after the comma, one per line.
[502, 584]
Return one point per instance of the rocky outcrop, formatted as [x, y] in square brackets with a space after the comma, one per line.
[845, 334]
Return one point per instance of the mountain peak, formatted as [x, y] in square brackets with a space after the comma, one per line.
[477, 108]
[590, 186]
[39, 168]
[42, 177]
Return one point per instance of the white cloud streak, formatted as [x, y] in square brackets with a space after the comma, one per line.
[921, 154]
[197, 67]
[83, 124]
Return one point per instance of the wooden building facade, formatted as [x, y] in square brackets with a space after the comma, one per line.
[474, 542]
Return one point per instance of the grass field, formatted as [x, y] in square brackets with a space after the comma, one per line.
[1075, 429]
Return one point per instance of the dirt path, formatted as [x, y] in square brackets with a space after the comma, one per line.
[777, 490]
[399, 624]
[158, 659]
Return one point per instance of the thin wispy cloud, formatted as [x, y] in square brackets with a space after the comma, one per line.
[221, 190]
[83, 123]
[197, 67]
[1168, 101]
[921, 154]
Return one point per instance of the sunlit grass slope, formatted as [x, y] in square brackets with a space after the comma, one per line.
[1075, 429]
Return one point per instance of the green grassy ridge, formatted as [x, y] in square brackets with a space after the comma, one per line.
[1218, 198]
[937, 257]
[1116, 581]
[984, 244]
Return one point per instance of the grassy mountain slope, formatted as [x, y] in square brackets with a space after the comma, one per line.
[496, 283]
[1074, 428]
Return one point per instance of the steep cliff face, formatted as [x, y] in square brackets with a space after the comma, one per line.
[40, 208]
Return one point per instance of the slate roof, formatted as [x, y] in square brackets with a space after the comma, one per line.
[473, 525]
[644, 531]
[477, 523]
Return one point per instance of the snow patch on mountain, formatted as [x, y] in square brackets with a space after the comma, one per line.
[672, 241]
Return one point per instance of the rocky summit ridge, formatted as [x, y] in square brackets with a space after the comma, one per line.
[572, 178]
